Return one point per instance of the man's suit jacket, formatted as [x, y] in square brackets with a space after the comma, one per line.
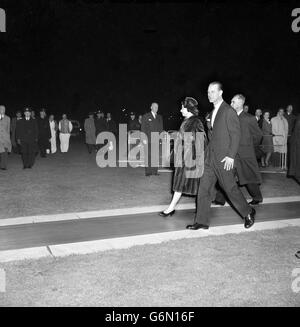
[27, 131]
[224, 137]
[151, 124]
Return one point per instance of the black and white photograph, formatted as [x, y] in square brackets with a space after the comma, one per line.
[149, 156]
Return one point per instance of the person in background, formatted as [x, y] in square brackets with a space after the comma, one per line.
[27, 137]
[15, 145]
[294, 163]
[133, 123]
[32, 114]
[258, 116]
[186, 176]
[151, 122]
[5, 142]
[140, 119]
[53, 129]
[44, 133]
[100, 125]
[280, 130]
[65, 128]
[267, 140]
[246, 108]
[291, 118]
[111, 124]
[90, 132]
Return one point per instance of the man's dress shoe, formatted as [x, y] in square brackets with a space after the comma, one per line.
[250, 219]
[197, 226]
[254, 202]
[218, 203]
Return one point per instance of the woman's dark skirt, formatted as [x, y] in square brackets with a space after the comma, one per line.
[183, 184]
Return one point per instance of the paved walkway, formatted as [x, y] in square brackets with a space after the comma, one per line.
[65, 237]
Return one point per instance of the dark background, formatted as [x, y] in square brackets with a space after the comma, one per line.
[77, 56]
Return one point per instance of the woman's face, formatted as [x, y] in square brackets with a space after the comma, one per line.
[266, 115]
[183, 111]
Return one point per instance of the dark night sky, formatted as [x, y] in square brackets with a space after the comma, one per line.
[76, 56]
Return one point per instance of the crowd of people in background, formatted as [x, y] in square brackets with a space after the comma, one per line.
[29, 135]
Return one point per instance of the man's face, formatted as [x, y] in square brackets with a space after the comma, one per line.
[267, 115]
[64, 116]
[42, 114]
[236, 103]
[280, 112]
[108, 115]
[132, 117]
[289, 109]
[246, 108]
[51, 117]
[154, 108]
[91, 116]
[258, 113]
[214, 93]
[2, 110]
[19, 114]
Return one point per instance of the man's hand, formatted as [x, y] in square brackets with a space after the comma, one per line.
[228, 163]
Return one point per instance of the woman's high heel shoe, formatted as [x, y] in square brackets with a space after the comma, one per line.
[171, 213]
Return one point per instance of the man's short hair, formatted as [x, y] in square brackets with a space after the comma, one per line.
[241, 97]
[217, 83]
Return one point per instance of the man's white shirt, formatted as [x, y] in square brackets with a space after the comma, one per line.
[214, 113]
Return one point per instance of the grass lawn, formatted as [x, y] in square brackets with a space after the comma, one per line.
[72, 182]
[247, 269]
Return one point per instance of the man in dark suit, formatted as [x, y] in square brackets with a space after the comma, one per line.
[44, 137]
[27, 137]
[220, 158]
[246, 164]
[151, 122]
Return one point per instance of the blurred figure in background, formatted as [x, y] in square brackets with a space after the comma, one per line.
[258, 116]
[65, 128]
[267, 140]
[90, 132]
[15, 145]
[100, 125]
[5, 143]
[27, 137]
[280, 130]
[151, 122]
[32, 114]
[111, 124]
[133, 123]
[246, 108]
[291, 118]
[294, 164]
[53, 130]
[44, 133]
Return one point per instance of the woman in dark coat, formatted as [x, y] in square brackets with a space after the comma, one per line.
[189, 155]
[267, 140]
[294, 168]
